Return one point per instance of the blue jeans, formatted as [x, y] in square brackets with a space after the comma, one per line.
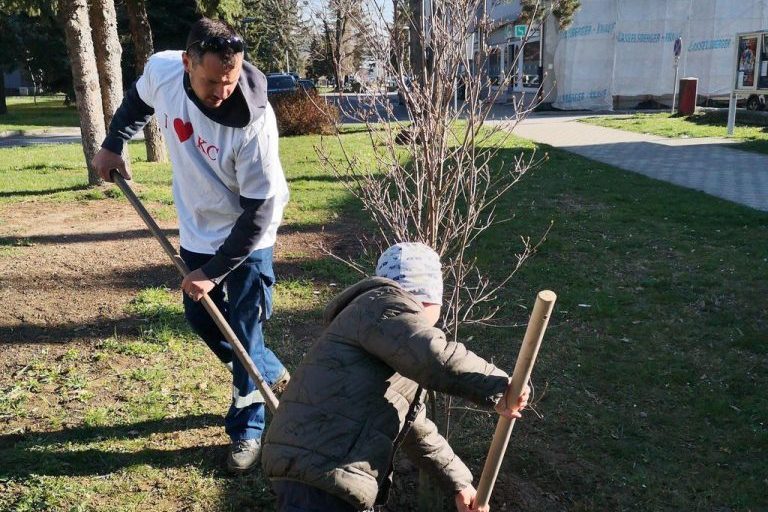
[295, 496]
[246, 305]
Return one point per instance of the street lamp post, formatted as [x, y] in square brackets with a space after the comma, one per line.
[678, 50]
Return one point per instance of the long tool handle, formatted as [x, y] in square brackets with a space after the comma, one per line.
[542, 310]
[208, 304]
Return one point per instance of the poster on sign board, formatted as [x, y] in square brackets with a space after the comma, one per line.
[762, 76]
[747, 56]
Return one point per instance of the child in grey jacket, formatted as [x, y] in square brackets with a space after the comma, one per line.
[357, 396]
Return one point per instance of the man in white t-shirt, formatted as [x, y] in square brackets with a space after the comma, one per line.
[229, 190]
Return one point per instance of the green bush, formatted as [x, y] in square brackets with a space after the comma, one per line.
[304, 113]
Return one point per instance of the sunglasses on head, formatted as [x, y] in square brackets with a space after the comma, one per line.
[219, 44]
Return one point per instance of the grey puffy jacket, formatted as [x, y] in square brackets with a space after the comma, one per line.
[349, 398]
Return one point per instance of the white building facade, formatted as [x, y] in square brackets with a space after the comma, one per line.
[618, 49]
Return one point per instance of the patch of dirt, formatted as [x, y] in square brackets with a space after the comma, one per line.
[73, 270]
[69, 272]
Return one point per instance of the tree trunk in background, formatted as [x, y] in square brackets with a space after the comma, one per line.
[108, 52]
[77, 29]
[141, 35]
[416, 24]
[106, 46]
[3, 105]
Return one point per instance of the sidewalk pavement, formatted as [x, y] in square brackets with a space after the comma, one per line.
[705, 164]
[55, 135]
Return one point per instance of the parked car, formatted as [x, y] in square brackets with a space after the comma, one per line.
[756, 102]
[751, 102]
[307, 84]
[281, 83]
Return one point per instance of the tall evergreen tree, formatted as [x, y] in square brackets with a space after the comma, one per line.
[319, 63]
[274, 33]
[230, 11]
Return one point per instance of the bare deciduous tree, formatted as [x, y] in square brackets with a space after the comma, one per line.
[342, 28]
[141, 35]
[77, 29]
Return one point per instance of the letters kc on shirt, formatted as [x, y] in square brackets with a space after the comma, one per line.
[184, 131]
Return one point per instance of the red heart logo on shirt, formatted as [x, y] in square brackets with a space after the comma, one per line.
[183, 130]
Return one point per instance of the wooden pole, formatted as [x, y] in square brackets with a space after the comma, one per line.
[269, 397]
[542, 311]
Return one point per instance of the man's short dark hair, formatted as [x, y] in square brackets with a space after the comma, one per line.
[206, 29]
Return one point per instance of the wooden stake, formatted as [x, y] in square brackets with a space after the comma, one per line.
[542, 310]
[269, 397]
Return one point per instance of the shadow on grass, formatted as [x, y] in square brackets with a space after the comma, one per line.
[30, 334]
[41, 453]
[43, 192]
[755, 146]
[79, 238]
[720, 118]
[318, 178]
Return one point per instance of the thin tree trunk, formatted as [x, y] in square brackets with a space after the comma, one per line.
[141, 35]
[85, 77]
[3, 104]
[333, 54]
[416, 25]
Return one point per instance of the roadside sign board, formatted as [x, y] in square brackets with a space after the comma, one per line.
[520, 30]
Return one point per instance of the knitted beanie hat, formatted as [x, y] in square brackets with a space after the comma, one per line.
[416, 268]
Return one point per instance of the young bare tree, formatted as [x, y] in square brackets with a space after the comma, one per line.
[438, 172]
[141, 36]
[77, 29]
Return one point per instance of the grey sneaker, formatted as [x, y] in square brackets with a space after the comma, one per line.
[243, 455]
[281, 383]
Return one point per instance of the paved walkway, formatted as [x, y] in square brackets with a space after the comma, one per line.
[57, 135]
[705, 164]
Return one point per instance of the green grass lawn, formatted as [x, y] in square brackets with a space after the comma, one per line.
[24, 114]
[709, 124]
[650, 382]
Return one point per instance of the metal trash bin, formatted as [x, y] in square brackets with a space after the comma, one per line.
[688, 91]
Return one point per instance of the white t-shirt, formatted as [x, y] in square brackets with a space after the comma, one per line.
[212, 164]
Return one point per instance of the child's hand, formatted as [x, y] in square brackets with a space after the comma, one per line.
[511, 408]
[465, 501]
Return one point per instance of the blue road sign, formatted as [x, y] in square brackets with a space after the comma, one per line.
[678, 46]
